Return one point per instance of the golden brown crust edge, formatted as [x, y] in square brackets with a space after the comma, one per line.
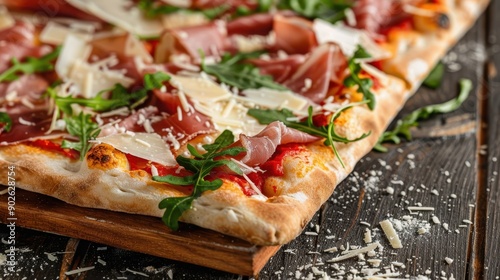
[227, 210]
[302, 190]
[426, 49]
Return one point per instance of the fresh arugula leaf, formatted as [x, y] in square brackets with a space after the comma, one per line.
[328, 10]
[364, 84]
[264, 5]
[120, 96]
[267, 116]
[435, 77]
[30, 66]
[232, 70]
[85, 129]
[6, 121]
[201, 165]
[155, 80]
[404, 125]
[151, 10]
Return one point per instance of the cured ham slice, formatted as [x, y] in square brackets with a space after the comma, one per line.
[26, 126]
[294, 35]
[258, 24]
[21, 33]
[279, 68]
[49, 8]
[178, 129]
[8, 51]
[18, 41]
[210, 38]
[134, 122]
[325, 65]
[372, 15]
[24, 94]
[261, 147]
[179, 125]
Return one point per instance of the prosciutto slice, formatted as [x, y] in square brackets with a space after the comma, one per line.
[258, 24]
[279, 68]
[28, 88]
[178, 130]
[294, 35]
[49, 8]
[210, 38]
[261, 147]
[21, 33]
[18, 42]
[134, 122]
[28, 126]
[325, 65]
[373, 15]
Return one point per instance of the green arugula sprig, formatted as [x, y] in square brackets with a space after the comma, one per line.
[435, 76]
[201, 165]
[120, 96]
[404, 125]
[152, 10]
[364, 84]
[85, 129]
[6, 121]
[267, 116]
[30, 66]
[233, 70]
[328, 10]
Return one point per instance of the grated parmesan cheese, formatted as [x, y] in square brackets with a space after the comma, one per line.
[391, 234]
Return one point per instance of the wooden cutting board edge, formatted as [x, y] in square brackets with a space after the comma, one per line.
[138, 233]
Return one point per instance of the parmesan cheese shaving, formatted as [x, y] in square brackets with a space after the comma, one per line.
[200, 88]
[79, 270]
[55, 33]
[128, 17]
[148, 146]
[348, 39]
[354, 253]
[6, 20]
[391, 234]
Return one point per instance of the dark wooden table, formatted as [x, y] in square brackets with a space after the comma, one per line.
[452, 165]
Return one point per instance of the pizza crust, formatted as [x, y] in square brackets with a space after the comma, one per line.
[104, 181]
[416, 53]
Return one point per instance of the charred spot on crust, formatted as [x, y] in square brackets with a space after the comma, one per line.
[443, 20]
[105, 157]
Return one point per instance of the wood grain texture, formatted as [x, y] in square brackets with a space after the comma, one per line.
[138, 233]
[445, 162]
[492, 157]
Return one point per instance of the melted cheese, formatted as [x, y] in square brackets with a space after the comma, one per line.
[6, 20]
[348, 39]
[148, 146]
[200, 88]
[274, 99]
[89, 79]
[122, 13]
[54, 33]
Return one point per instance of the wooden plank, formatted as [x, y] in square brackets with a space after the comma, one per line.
[353, 203]
[363, 198]
[138, 233]
[491, 265]
[32, 254]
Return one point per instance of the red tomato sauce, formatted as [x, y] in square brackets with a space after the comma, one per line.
[137, 163]
[54, 147]
[273, 167]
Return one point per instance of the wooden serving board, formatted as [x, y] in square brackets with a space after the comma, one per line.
[138, 233]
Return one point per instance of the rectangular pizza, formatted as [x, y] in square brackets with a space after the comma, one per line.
[237, 116]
